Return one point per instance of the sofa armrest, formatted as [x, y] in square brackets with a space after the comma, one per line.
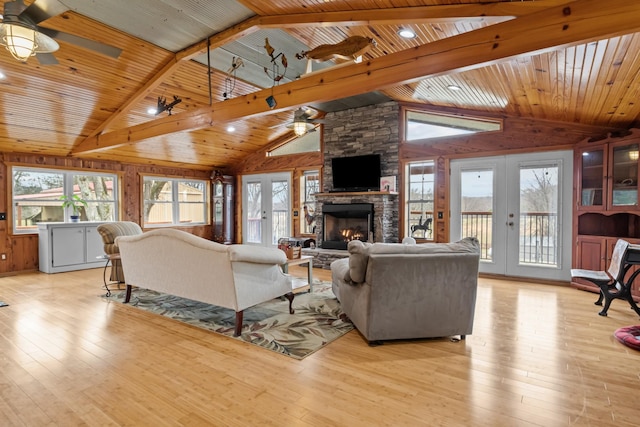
[256, 254]
[358, 258]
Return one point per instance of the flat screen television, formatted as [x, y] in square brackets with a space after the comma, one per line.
[356, 173]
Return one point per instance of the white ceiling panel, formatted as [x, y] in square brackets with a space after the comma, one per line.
[172, 25]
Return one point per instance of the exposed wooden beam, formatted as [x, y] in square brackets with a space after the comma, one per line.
[388, 16]
[564, 25]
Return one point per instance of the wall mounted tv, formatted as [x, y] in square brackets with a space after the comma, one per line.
[356, 173]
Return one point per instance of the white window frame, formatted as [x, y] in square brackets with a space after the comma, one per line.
[408, 201]
[443, 125]
[311, 201]
[67, 190]
[175, 202]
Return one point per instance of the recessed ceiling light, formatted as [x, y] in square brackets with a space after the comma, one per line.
[231, 128]
[406, 33]
[454, 87]
[152, 111]
[2, 76]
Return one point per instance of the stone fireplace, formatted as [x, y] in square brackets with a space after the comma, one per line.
[342, 223]
[368, 216]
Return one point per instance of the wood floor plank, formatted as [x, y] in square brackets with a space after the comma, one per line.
[539, 355]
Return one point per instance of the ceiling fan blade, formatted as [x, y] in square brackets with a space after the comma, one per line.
[46, 59]
[41, 10]
[102, 48]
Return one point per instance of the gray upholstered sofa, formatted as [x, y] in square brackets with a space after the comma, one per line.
[399, 291]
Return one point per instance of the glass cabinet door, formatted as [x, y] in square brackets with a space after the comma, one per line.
[624, 175]
[592, 176]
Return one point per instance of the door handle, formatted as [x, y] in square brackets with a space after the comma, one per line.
[510, 223]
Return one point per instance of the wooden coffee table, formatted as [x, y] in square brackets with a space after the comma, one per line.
[300, 285]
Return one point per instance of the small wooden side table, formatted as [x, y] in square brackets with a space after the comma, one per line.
[300, 284]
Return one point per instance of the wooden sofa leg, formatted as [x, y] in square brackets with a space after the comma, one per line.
[238, 328]
[127, 296]
[290, 297]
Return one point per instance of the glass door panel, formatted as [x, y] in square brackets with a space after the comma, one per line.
[253, 209]
[538, 229]
[476, 202]
[279, 210]
[265, 215]
[519, 208]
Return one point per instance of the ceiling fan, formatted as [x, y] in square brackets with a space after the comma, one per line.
[303, 121]
[21, 35]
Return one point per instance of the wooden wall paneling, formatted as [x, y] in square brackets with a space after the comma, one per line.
[441, 225]
[24, 253]
[5, 243]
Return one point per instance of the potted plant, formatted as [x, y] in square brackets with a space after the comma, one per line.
[74, 202]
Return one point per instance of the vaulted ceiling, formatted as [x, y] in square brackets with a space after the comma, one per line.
[556, 60]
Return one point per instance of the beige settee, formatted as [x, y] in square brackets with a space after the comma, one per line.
[399, 291]
[188, 266]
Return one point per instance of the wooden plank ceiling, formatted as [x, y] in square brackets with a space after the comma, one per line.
[93, 106]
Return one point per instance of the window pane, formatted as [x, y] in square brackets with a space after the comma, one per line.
[422, 125]
[476, 204]
[280, 210]
[191, 201]
[98, 192]
[309, 184]
[191, 191]
[100, 211]
[420, 205]
[158, 201]
[539, 201]
[254, 212]
[36, 198]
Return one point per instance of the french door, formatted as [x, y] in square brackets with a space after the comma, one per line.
[265, 208]
[519, 208]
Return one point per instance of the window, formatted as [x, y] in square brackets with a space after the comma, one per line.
[307, 143]
[309, 185]
[421, 125]
[419, 198]
[37, 196]
[173, 201]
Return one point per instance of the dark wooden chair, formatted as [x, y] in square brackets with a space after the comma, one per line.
[611, 282]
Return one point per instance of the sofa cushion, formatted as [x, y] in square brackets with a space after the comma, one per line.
[358, 257]
[468, 244]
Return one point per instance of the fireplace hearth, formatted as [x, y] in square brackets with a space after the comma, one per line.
[379, 224]
[343, 223]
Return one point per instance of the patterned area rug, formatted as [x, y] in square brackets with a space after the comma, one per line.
[316, 321]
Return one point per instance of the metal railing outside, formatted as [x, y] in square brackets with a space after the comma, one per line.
[538, 236]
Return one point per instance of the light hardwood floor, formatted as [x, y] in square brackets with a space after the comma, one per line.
[539, 355]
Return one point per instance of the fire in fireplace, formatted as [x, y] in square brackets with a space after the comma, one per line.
[345, 222]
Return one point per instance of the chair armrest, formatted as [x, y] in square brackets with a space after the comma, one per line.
[257, 254]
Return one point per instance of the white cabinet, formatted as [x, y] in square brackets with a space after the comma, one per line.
[69, 246]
